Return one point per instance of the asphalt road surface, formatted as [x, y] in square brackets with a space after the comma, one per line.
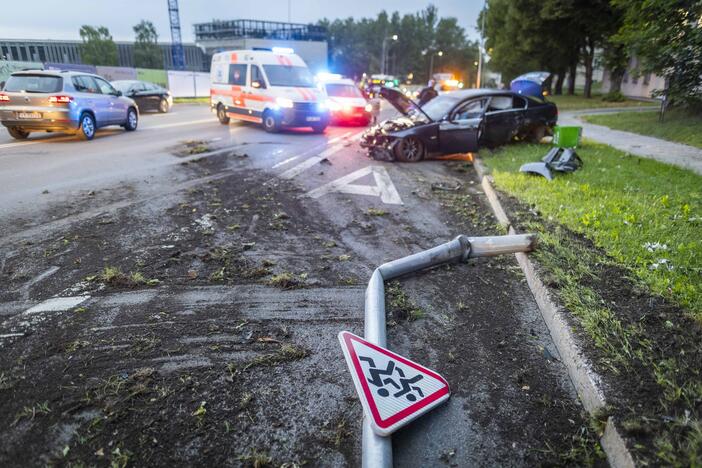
[173, 296]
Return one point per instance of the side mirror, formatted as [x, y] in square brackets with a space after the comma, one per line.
[118, 93]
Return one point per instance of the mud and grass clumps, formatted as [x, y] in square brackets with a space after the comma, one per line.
[287, 280]
[399, 305]
[114, 276]
[286, 353]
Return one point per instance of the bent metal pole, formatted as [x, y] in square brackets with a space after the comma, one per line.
[377, 450]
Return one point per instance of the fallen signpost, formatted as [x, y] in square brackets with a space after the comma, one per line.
[369, 359]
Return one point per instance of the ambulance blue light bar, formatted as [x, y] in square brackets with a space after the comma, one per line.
[283, 50]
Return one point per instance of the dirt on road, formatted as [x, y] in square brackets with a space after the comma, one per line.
[206, 333]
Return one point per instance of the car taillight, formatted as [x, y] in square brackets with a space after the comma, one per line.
[60, 99]
[4, 98]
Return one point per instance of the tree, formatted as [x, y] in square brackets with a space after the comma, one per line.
[98, 48]
[354, 45]
[666, 37]
[147, 53]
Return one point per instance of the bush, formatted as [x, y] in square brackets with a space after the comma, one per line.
[614, 96]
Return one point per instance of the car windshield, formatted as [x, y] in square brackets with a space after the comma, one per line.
[281, 75]
[438, 107]
[343, 90]
[34, 83]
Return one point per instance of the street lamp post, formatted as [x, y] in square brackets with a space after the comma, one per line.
[384, 52]
[440, 53]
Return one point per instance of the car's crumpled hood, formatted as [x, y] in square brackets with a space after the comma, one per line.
[385, 128]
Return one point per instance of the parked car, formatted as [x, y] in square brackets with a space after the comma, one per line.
[458, 122]
[148, 96]
[346, 103]
[63, 101]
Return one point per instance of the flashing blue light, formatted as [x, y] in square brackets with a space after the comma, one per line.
[283, 50]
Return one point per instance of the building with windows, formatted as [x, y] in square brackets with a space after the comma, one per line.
[308, 41]
[33, 50]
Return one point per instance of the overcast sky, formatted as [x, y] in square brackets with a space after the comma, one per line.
[52, 19]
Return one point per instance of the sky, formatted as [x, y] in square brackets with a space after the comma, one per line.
[52, 19]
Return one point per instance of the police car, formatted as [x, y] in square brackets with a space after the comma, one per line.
[271, 87]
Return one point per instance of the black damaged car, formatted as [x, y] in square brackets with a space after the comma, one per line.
[458, 122]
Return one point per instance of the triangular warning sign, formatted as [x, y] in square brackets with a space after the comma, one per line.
[393, 390]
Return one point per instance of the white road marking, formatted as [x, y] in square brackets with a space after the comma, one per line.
[383, 188]
[57, 304]
[11, 335]
[26, 286]
[283, 163]
[307, 163]
[179, 124]
[34, 142]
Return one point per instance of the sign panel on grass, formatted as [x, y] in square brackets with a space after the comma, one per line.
[393, 390]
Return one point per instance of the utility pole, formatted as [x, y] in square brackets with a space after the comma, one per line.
[481, 47]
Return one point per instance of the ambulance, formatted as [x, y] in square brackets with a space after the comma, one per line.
[273, 88]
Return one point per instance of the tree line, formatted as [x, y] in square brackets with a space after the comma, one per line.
[665, 36]
[424, 41]
[99, 48]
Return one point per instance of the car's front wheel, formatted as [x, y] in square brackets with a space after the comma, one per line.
[270, 122]
[17, 133]
[132, 120]
[86, 127]
[410, 149]
[222, 115]
[163, 106]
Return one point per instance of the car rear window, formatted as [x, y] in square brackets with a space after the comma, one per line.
[343, 90]
[34, 83]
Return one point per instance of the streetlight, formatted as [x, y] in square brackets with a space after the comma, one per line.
[384, 52]
[440, 53]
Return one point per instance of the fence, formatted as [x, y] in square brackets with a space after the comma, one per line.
[180, 83]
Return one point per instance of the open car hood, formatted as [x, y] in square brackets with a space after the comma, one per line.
[401, 102]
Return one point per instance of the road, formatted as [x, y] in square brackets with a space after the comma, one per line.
[173, 297]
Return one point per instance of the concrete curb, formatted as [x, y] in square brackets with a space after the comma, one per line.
[586, 381]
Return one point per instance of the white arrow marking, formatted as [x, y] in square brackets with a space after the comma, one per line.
[383, 187]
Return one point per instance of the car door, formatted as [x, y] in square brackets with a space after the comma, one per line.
[136, 92]
[460, 131]
[117, 108]
[94, 100]
[152, 95]
[255, 92]
[502, 120]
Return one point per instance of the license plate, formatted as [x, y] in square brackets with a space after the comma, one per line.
[314, 119]
[28, 115]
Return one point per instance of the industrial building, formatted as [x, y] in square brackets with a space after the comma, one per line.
[308, 41]
[32, 50]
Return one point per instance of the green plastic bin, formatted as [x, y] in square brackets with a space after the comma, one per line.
[566, 137]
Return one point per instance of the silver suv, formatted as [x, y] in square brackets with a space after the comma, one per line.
[63, 101]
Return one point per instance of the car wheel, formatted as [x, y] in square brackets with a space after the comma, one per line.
[132, 120]
[410, 149]
[17, 133]
[270, 122]
[163, 106]
[222, 115]
[86, 127]
[319, 128]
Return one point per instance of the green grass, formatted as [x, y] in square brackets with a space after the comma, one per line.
[576, 102]
[679, 126]
[192, 100]
[638, 212]
[645, 214]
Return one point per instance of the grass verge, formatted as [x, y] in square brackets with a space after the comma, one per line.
[192, 100]
[577, 101]
[610, 234]
[645, 214]
[678, 126]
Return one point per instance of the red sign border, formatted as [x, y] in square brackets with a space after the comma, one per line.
[410, 410]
